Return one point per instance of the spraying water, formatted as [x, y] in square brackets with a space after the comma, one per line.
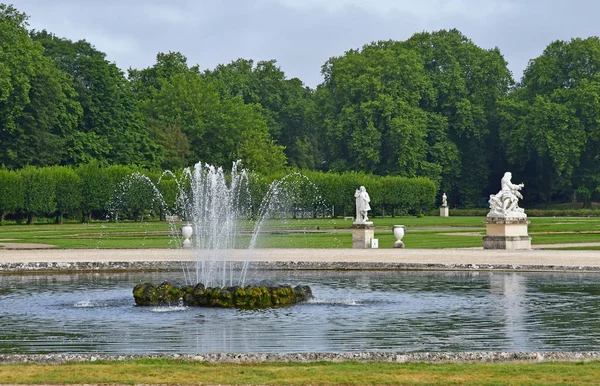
[224, 215]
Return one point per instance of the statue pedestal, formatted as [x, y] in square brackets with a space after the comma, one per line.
[444, 211]
[362, 234]
[506, 233]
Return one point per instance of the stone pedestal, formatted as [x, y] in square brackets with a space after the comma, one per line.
[444, 211]
[506, 233]
[362, 234]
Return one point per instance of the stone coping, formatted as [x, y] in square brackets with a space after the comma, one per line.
[109, 266]
[302, 357]
[13, 261]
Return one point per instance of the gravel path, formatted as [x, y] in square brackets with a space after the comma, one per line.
[310, 258]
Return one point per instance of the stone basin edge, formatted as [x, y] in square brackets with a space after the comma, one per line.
[393, 357]
[41, 267]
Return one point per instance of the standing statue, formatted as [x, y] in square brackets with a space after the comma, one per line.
[362, 205]
[506, 202]
[444, 200]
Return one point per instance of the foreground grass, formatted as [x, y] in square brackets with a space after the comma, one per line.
[425, 232]
[159, 371]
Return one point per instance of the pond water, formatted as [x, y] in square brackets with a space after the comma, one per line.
[352, 311]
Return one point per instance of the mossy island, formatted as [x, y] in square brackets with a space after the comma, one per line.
[263, 295]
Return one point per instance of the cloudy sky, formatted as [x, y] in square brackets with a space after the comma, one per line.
[302, 34]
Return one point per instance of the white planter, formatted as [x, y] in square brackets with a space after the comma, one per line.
[187, 231]
[399, 234]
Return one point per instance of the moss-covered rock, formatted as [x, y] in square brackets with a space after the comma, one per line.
[164, 294]
[261, 296]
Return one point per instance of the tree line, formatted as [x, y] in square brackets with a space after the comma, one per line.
[118, 192]
[435, 105]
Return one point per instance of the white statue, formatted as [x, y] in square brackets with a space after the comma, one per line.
[444, 200]
[506, 202]
[362, 205]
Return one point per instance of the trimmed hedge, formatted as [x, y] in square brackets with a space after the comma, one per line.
[482, 212]
[92, 191]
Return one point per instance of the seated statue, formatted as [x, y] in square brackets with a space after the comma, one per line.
[506, 202]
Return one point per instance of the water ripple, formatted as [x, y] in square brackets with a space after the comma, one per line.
[352, 311]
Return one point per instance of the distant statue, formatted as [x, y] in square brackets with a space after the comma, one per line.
[444, 200]
[362, 205]
[506, 202]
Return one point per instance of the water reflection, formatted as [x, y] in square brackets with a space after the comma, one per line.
[352, 311]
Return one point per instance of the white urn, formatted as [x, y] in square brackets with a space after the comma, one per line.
[399, 234]
[187, 231]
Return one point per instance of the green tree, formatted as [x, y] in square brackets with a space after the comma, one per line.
[551, 123]
[168, 129]
[370, 111]
[38, 110]
[468, 82]
[286, 104]
[111, 129]
[217, 128]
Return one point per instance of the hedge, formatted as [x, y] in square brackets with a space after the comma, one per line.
[93, 191]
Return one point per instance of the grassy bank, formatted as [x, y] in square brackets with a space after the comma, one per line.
[157, 371]
[425, 232]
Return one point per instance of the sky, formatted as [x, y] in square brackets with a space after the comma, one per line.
[302, 34]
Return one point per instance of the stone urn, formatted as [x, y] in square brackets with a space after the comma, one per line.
[399, 234]
[186, 232]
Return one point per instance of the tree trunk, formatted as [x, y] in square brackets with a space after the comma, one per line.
[60, 218]
[2, 214]
[30, 219]
[382, 211]
[393, 212]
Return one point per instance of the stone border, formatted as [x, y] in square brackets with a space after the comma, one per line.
[41, 267]
[305, 357]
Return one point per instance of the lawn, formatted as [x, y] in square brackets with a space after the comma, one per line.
[425, 232]
[161, 371]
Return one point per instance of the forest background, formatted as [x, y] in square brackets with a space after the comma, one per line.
[435, 106]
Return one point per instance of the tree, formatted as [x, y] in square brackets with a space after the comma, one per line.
[369, 106]
[551, 122]
[260, 153]
[166, 127]
[38, 110]
[111, 129]
[206, 126]
[286, 104]
[468, 83]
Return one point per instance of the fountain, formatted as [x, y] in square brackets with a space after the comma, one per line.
[216, 207]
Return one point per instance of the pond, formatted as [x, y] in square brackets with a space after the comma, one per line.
[402, 311]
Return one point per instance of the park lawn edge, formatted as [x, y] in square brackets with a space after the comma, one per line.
[177, 371]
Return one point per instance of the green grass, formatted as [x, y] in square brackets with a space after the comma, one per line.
[425, 232]
[160, 371]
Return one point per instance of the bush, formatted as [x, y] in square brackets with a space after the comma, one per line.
[12, 194]
[39, 186]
